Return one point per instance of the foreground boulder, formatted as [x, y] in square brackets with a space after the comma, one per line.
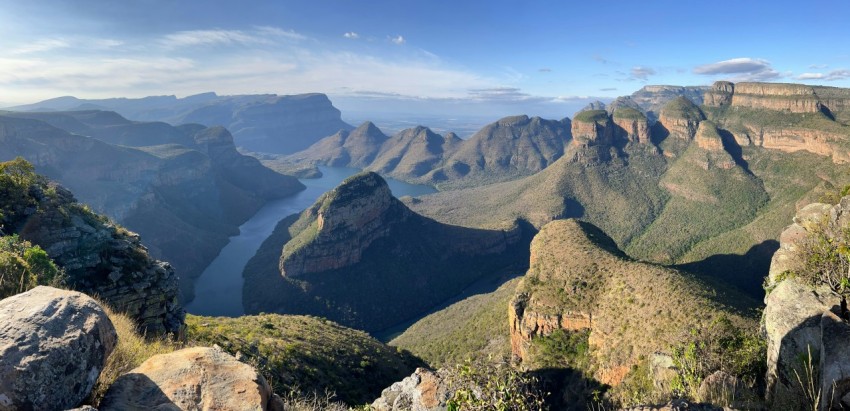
[806, 338]
[197, 378]
[424, 390]
[53, 345]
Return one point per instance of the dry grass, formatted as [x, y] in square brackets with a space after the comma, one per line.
[130, 352]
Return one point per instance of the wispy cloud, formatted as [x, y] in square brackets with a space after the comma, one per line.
[351, 35]
[818, 66]
[545, 70]
[641, 73]
[608, 89]
[259, 36]
[740, 69]
[39, 46]
[398, 39]
[831, 76]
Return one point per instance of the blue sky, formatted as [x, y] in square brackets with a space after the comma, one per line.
[435, 57]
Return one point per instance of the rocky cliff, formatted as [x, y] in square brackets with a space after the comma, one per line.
[787, 117]
[651, 99]
[194, 190]
[358, 250]
[579, 280]
[803, 322]
[632, 125]
[592, 127]
[98, 257]
[680, 118]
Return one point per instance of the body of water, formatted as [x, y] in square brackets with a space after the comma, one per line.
[218, 291]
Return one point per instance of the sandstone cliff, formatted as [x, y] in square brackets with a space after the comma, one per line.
[632, 125]
[358, 250]
[579, 280]
[651, 99]
[680, 118]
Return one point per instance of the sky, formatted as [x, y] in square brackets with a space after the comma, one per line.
[429, 57]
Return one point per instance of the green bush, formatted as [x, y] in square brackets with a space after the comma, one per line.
[24, 266]
[493, 386]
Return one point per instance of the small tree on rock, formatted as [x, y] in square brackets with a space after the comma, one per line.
[825, 258]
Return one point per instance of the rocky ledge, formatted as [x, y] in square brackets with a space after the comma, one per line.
[802, 323]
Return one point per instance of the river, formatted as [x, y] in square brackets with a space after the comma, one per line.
[218, 291]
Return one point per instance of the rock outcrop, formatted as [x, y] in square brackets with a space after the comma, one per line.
[651, 99]
[720, 94]
[707, 137]
[681, 118]
[578, 280]
[190, 379]
[53, 346]
[793, 98]
[632, 125]
[592, 127]
[344, 223]
[98, 257]
[802, 323]
[424, 390]
[358, 250]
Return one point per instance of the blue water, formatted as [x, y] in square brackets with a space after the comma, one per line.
[218, 291]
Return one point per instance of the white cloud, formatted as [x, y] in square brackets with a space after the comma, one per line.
[641, 73]
[351, 35]
[262, 35]
[398, 39]
[818, 66]
[39, 46]
[741, 69]
[831, 76]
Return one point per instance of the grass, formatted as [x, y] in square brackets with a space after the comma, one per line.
[130, 352]
[681, 107]
[307, 355]
[591, 116]
[472, 329]
[628, 113]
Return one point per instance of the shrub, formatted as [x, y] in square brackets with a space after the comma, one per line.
[24, 266]
[825, 258]
[493, 386]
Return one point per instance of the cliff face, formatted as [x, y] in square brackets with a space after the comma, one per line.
[343, 223]
[99, 258]
[681, 118]
[720, 94]
[799, 317]
[591, 128]
[651, 99]
[579, 280]
[358, 251]
[632, 125]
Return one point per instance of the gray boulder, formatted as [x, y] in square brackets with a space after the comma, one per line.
[53, 346]
[424, 390]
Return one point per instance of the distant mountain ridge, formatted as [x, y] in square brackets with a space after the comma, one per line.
[509, 148]
[185, 189]
[262, 122]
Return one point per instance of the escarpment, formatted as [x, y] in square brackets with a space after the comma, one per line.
[358, 250]
[680, 118]
[579, 281]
